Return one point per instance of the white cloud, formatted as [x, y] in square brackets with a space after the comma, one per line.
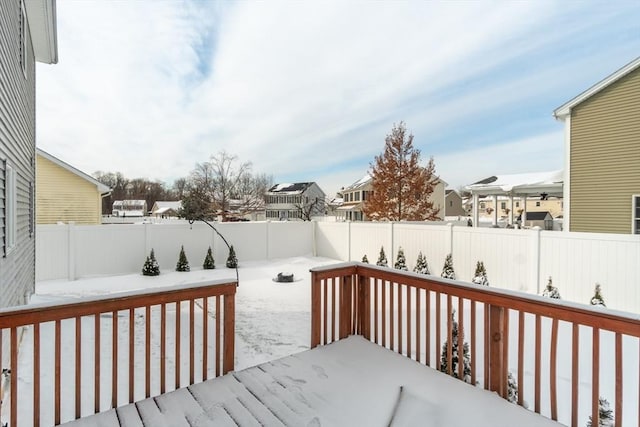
[151, 88]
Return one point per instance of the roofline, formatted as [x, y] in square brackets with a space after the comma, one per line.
[101, 187]
[42, 13]
[565, 109]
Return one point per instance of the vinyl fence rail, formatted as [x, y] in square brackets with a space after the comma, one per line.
[563, 357]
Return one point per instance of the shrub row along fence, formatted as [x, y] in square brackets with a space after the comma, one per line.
[559, 359]
[72, 251]
[100, 353]
[515, 259]
[521, 260]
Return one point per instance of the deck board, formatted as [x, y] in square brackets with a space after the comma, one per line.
[350, 382]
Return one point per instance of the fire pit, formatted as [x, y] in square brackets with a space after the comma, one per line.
[284, 278]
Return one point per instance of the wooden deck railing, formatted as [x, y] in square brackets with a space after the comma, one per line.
[563, 356]
[98, 353]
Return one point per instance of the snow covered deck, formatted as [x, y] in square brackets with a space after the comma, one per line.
[349, 382]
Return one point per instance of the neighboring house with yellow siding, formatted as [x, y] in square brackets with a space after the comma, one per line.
[602, 155]
[66, 194]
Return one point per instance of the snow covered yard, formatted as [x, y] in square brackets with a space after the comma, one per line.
[272, 321]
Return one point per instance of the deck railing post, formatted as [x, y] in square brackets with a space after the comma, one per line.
[315, 310]
[496, 355]
[346, 310]
[364, 328]
[229, 332]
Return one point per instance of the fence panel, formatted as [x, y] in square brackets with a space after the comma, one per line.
[430, 240]
[367, 238]
[332, 240]
[289, 238]
[576, 261]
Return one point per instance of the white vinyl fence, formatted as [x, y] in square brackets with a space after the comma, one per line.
[72, 251]
[521, 260]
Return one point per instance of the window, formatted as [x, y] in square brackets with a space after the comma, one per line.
[9, 208]
[636, 214]
[482, 205]
[503, 205]
[517, 204]
[537, 204]
[357, 194]
[450, 203]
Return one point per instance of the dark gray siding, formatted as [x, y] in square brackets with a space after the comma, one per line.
[17, 147]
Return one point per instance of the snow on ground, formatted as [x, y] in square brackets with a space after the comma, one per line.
[272, 319]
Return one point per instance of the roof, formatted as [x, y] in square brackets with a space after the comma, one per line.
[162, 204]
[41, 15]
[521, 184]
[537, 216]
[297, 188]
[101, 187]
[565, 109]
[129, 202]
[359, 183]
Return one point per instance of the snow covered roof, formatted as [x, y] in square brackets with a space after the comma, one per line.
[521, 184]
[166, 205]
[103, 189]
[288, 188]
[359, 183]
[565, 109]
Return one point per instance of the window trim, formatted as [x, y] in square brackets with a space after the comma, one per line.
[10, 208]
[635, 220]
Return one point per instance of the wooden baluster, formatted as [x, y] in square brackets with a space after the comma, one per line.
[147, 352]
[438, 320]
[205, 338]
[316, 302]
[336, 282]
[177, 353]
[450, 337]
[399, 314]
[36, 374]
[96, 363]
[487, 343]
[325, 299]
[57, 345]
[132, 324]
[229, 332]
[418, 347]
[427, 328]
[473, 342]
[392, 315]
[218, 332]
[496, 350]
[521, 338]
[553, 376]
[163, 348]
[376, 308]
[461, 338]
[575, 372]
[595, 378]
[537, 354]
[14, 375]
[192, 352]
[408, 288]
[78, 374]
[114, 360]
[619, 380]
[383, 288]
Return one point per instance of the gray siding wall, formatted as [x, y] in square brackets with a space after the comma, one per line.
[17, 147]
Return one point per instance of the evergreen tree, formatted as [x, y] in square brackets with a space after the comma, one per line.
[455, 354]
[422, 266]
[480, 276]
[365, 259]
[183, 264]
[597, 298]
[209, 263]
[382, 259]
[151, 267]
[551, 291]
[401, 262]
[447, 270]
[605, 414]
[401, 187]
[232, 261]
[512, 389]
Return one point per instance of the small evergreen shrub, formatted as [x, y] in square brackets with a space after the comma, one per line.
[232, 260]
[422, 266]
[455, 354]
[480, 276]
[605, 414]
[183, 263]
[512, 388]
[365, 259]
[151, 267]
[551, 291]
[209, 263]
[382, 258]
[401, 261]
[597, 298]
[447, 270]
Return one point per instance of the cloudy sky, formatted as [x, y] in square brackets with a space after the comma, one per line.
[307, 91]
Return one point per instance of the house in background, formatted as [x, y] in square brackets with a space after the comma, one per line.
[353, 198]
[166, 209]
[299, 201]
[129, 208]
[27, 35]
[453, 204]
[66, 194]
[355, 195]
[602, 155]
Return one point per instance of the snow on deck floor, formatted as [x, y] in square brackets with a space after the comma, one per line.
[347, 383]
